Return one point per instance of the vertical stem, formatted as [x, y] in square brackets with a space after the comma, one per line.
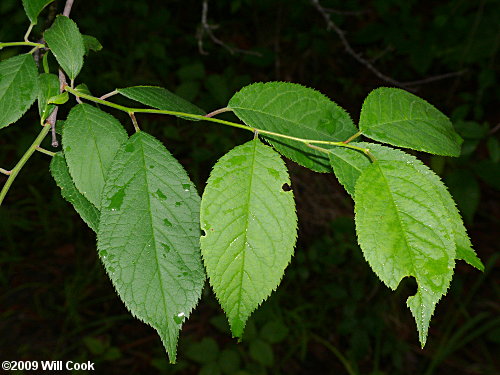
[24, 159]
[67, 8]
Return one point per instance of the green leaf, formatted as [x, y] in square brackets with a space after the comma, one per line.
[294, 110]
[465, 188]
[402, 119]
[229, 361]
[274, 332]
[493, 145]
[204, 351]
[348, 164]
[250, 229]
[403, 230]
[34, 7]
[90, 141]
[261, 352]
[45, 62]
[66, 43]
[60, 172]
[18, 87]
[149, 235]
[91, 44]
[48, 86]
[59, 99]
[211, 368]
[83, 88]
[160, 98]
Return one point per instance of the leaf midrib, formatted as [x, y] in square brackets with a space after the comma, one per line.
[145, 169]
[393, 202]
[94, 139]
[249, 197]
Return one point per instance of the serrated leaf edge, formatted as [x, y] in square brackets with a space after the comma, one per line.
[282, 275]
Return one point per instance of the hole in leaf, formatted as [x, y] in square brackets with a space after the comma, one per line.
[286, 187]
[203, 233]
[407, 287]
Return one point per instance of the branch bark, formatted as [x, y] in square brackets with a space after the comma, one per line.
[341, 34]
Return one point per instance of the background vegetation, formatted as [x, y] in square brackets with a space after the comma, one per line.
[330, 314]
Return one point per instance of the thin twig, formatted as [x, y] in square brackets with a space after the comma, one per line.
[206, 28]
[495, 129]
[345, 12]
[62, 81]
[67, 8]
[52, 119]
[434, 78]
[406, 85]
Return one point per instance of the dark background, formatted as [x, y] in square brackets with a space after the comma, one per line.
[330, 315]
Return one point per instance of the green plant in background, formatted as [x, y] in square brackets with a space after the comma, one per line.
[158, 240]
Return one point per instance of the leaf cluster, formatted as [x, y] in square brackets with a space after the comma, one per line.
[159, 240]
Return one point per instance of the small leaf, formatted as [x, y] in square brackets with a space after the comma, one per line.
[274, 332]
[229, 361]
[66, 43]
[465, 188]
[348, 164]
[149, 235]
[59, 99]
[402, 119]
[250, 229]
[403, 230]
[83, 88]
[34, 7]
[87, 211]
[493, 145]
[160, 98]
[48, 86]
[211, 368]
[45, 62]
[294, 110]
[91, 44]
[90, 141]
[18, 87]
[261, 352]
[205, 351]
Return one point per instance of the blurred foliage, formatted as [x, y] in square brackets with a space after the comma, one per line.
[330, 314]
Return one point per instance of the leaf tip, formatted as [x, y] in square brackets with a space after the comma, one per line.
[237, 327]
